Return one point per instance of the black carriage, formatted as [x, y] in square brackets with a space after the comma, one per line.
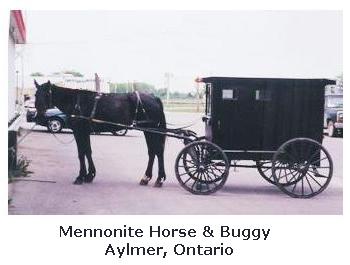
[276, 123]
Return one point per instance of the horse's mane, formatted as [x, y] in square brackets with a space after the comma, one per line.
[89, 92]
[74, 90]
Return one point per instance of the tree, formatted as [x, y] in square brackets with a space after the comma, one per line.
[128, 87]
[36, 74]
[73, 73]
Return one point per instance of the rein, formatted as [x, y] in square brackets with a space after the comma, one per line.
[179, 132]
[60, 141]
[185, 126]
[175, 133]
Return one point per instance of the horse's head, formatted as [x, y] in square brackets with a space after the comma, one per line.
[43, 97]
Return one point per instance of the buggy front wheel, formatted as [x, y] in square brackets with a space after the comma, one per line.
[264, 169]
[202, 167]
[305, 164]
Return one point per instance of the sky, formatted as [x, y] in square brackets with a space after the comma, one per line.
[143, 45]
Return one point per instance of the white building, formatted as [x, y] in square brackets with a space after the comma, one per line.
[17, 35]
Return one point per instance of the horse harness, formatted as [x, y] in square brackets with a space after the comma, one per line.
[139, 108]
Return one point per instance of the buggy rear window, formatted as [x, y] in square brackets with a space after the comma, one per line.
[263, 95]
[230, 94]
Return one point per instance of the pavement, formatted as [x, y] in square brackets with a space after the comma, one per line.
[120, 164]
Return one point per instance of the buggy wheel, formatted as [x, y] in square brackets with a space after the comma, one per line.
[264, 168]
[302, 168]
[202, 167]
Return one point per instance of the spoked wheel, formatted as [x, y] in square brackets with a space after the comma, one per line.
[265, 170]
[202, 167]
[302, 168]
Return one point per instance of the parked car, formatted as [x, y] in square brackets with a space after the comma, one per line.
[55, 120]
[333, 114]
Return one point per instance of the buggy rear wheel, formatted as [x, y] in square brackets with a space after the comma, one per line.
[202, 167]
[302, 168]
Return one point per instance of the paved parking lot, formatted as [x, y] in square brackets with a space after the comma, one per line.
[121, 162]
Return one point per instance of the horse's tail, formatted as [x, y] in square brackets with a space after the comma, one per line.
[162, 121]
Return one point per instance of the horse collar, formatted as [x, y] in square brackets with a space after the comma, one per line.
[139, 104]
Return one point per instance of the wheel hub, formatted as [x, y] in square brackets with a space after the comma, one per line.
[201, 168]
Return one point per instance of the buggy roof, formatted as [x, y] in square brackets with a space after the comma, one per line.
[217, 78]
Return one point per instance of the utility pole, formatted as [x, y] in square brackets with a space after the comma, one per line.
[197, 95]
[167, 76]
[97, 83]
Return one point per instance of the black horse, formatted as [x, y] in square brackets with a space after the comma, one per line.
[145, 110]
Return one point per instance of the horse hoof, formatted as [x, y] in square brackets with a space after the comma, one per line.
[158, 184]
[89, 178]
[143, 182]
[78, 181]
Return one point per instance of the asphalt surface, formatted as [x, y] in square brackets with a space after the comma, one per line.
[120, 164]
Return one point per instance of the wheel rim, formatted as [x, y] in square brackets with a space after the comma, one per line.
[55, 126]
[265, 170]
[303, 163]
[202, 168]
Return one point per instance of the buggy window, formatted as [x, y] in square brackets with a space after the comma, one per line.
[208, 93]
[230, 94]
[263, 95]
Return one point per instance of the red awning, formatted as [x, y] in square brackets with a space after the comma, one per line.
[17, 27]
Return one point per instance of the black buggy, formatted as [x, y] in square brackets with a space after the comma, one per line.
[276, 123]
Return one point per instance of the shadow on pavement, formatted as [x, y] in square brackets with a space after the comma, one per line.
[268, 190]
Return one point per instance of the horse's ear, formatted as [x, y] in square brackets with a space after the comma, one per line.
[36, 84]
[48, 81]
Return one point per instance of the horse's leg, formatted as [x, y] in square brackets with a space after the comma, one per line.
[92, 170]
[81, 154]
[151, 155]
[160, 144]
